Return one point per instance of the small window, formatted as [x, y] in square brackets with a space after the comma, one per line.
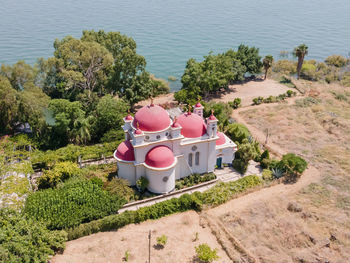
[167, 133]
[147, 138]
[194, 148]
[197, 158]
[190, 157]
[165, 179]
[158, 137]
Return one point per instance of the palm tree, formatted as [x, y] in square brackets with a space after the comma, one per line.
[82, 130]
[267, 63]
[301, 51]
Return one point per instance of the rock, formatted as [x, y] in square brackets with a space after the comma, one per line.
[294, 207]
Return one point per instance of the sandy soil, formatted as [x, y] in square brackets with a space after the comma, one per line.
[247, 91]
[111, 246]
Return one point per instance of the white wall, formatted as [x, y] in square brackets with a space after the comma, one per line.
[157, 184]
[126, 170]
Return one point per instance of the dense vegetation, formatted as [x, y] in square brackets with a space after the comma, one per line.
[78, 95]
[25, 240]
[73, 203]
[215, 72]
[216, 195]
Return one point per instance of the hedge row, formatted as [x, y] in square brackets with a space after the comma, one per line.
[214, 196]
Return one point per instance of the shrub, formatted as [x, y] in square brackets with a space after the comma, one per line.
[113, 136]
[345, 81]
[142, 184]
[236, 103]
[265, 155]
[120, 187]
[293, 165]
[237, 132]
[284, 66]
[26, 240]
[174, 205]
[76, 202]
[59, 173]
[97, 181]
[126, 255]
[172, 78]
[291, 93]
[270, 99]
[162, 240]
[267, 175]
[336, 61]
[193, 180]
[222, 192]
[308, 71]
[258, 100]
[206, 254]
[246, 152]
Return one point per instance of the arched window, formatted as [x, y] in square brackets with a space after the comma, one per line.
[190, 157]
[197, 158]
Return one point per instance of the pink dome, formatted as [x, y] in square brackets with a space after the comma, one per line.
[152, 118]
[160, 156]
[221, 139]
[129, 118]
[198, 105]
[212, 117]
[193, 125]
[125, 151]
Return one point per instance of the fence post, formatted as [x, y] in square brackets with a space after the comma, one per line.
[79, 161]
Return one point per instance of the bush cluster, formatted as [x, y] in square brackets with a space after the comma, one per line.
[75, 202]
[193, 180]
[236, 103]
[214, 196]
[237, 132]
[272, 99]
[223, 192]
[246, 151]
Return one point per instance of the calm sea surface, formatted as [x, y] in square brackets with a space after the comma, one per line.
[169, 32]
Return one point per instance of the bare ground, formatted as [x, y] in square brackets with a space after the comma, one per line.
[247, 91]
[111, 246]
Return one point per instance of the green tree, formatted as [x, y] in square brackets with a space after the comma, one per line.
[69, 118]
[267, 63]
[77, 66]
[246, 152]
[300, 52]
[249, 58]
[19, 74]
[128, 78]
[293, 165]
[109, 115]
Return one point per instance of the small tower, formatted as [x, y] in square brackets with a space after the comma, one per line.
[175, 129]
[127, 125]
[138, 135]
[212, 125]
[198, 108]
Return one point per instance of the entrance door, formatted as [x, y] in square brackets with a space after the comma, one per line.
[219, 162]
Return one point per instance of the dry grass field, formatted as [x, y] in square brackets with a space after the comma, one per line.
[317, 128]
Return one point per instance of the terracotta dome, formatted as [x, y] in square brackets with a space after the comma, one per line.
[193, 125]
[128, 118]
[152, 118]
[160, 156]
[125, 152]
[221, 140]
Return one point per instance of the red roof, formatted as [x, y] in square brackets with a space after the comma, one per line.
[212, 117]
[160, 156]
[125, 151]
[128, 118]
[193, 125]
[152, 118]
[221, 140]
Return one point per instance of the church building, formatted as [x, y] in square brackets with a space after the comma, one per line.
[164, 149]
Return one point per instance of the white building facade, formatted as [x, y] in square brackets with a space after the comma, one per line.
[163, 150]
